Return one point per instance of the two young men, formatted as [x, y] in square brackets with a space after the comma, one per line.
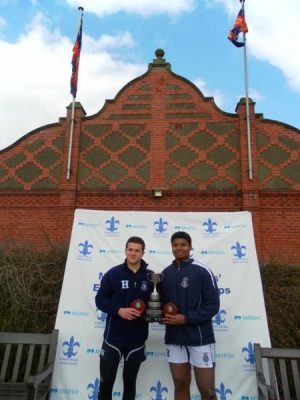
[189, 336]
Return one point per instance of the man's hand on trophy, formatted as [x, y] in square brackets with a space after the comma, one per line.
[129, 313]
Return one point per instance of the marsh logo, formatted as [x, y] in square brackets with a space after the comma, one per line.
[239, 253]
[247, 317]
[92, 351]
[112, 226]
[110, 251]
[210, 228]
[219, 321]
[185, 228]
[76, 313]
[136, 226]
[161, 227]
[248, 352]
[225, 393]
[161, 252]
[212, 252]
[93, 389]
[85, 251]
[235, 226]
[88, 225]
[249, 398]
[158, 391]
[68, 391]
[225, 355]
[70, 350]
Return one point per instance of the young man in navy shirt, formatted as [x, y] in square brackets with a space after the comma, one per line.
[190, 291]
[123, 292]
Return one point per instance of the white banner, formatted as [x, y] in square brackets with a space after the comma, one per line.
[222, 241]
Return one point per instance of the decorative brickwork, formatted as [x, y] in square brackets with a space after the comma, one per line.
[158, 132]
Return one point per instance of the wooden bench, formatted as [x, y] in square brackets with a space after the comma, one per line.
[27, 362]
[283, 371]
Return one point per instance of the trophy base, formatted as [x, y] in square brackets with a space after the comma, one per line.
[154, 312]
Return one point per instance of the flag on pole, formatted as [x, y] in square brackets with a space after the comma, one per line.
[75, 59]
[238, 27]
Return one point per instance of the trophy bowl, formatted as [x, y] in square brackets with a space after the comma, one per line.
[154, 310]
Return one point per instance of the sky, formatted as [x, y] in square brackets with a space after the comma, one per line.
[119, 41]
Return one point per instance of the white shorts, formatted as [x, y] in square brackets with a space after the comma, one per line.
[198, 356]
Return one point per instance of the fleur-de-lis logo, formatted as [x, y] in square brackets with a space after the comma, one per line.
[239, 250]
[112, 224]
[161, 225]
[210, 226]
[159, 390]
[223, 392]
[71, 345]
[250, 350]
[93, 389]
[101, 316]
[218, 318]
[85, 248]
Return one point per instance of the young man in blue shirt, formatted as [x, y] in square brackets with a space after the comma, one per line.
[126, 330]
[190, 287]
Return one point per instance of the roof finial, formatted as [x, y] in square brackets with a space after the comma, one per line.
[159, 53]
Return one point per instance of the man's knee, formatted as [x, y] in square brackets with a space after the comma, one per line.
[209, 393]
[180, 385]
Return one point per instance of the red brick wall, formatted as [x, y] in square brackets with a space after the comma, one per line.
[158, 132]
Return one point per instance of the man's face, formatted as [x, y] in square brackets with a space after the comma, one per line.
[181, 249]
[134, 253]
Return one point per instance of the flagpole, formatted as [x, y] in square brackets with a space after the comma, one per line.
[72, 115]
[247, 104]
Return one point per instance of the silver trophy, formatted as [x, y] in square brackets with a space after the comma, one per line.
[154, 312]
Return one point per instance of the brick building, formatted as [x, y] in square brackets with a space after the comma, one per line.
[159, 132]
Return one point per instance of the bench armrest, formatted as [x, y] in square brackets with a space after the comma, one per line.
[35, 380]
[267, 390]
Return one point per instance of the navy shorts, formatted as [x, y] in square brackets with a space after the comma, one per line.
[131, 352]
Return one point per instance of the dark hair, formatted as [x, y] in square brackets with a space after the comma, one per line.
[181, 235]
[136, 239]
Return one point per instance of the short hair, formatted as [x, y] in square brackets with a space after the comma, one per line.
[136, 239]
[181, 235]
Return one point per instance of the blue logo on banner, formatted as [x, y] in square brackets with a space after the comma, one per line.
[236, 226]
[161, 226]
[101, 316]
[223, 392]
[247, 317]
[64, 391]
[158, 390]
[86, 248]
[89, 225]
[111, 224]
[210, 226]
[185, 228]
[76, 313]
[93, 389]
[71, 347]
[250, 353]
[136, 226]
[219, 320]
[239, 250]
